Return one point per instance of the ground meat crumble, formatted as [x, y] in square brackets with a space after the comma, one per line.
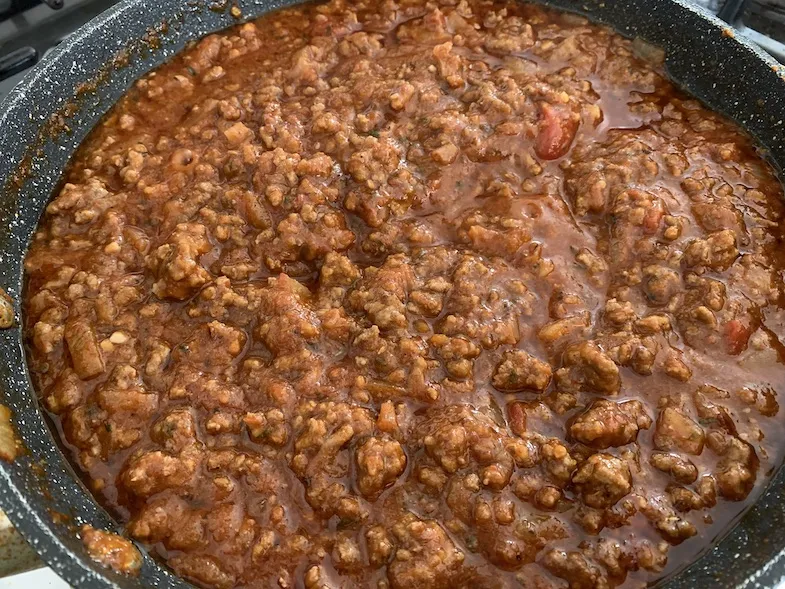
[412, 294]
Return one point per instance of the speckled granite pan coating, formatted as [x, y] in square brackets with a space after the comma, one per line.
[42, 124]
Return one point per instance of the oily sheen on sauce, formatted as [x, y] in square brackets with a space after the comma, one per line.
[413, 295]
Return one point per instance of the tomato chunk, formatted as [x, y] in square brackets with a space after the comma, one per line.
[651, 221]
[556, 133]
[736, 336]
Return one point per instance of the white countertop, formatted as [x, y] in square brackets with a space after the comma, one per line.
[39, 578]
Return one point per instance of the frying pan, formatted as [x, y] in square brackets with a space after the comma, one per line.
[46, 117]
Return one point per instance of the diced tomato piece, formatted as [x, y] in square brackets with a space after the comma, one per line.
[556, 133]
[517, 418]
[736, 336]
[651, 221]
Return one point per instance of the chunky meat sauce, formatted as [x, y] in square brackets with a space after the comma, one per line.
[412, 294]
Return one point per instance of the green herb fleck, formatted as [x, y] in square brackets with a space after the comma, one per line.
[346, 522]
[374, 133]
[472, 544]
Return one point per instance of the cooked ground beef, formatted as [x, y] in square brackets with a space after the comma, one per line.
[413, 295]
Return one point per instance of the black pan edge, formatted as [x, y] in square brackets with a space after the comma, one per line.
[726, 72]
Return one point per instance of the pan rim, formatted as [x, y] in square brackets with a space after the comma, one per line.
[75, 569]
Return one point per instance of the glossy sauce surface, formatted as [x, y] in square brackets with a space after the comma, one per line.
[410, 295]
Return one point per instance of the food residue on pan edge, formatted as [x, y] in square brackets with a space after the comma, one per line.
[414, 296]
[111, 550]
[7, 314]
[8, 440]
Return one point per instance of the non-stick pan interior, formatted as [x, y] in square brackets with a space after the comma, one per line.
[53, 109]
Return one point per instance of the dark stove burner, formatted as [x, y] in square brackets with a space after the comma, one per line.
[31, 28]
[9, 8]
[732, 10]
[17, 61]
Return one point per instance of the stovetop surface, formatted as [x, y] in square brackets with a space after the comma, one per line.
[35, 29]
